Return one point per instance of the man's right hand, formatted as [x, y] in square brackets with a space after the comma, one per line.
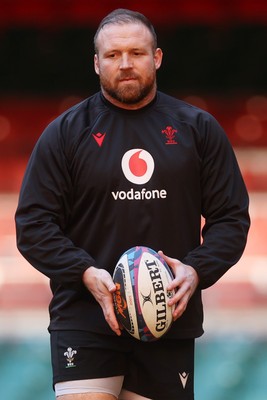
[99, 282]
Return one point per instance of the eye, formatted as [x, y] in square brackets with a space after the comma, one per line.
[137, 53]
[111, 54]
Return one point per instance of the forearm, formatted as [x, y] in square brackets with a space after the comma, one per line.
[45, 246]
[223, 245]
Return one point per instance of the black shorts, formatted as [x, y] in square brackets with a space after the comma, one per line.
[161, 370]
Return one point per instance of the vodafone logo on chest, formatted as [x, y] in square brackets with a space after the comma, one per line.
[138, 167]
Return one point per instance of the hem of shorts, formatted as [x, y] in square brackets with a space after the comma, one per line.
[62, 378]
[151, 395]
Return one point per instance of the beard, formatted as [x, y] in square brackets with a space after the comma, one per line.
[128, 93]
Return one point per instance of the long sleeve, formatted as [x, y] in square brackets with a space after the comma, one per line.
[224, 208]
[44, 211]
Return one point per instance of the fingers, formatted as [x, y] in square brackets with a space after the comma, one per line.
[177, 269]
[109, 314]
[180, 300]
[170, 261]
[185, 283]
[174, 265]
[101, 285]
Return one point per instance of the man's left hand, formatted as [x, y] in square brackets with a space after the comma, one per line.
[185, 283]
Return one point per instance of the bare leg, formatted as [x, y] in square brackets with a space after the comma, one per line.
[126, 395]
[87, 396]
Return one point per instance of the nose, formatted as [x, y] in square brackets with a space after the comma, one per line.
[126, 61]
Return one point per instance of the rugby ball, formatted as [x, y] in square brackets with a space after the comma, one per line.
[141, 299]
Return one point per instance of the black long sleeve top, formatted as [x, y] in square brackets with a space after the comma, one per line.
[102, 179]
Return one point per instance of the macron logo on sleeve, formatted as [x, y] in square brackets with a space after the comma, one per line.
[99, 138]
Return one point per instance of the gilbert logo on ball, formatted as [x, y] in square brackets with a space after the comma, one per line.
[141, 299]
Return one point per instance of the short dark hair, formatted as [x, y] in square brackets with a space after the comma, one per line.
[124, 16]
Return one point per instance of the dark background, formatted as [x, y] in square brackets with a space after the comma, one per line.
[210, 46]
[215, 56]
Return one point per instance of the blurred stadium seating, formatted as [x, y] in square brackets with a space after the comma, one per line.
[215, 56]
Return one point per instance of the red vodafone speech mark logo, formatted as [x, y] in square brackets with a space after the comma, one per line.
[137, 166]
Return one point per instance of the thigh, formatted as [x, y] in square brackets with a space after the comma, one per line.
[126, 395]
[162, 370]
[89, 396]
[109, 388]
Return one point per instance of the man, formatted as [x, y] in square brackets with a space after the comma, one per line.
[128, 166]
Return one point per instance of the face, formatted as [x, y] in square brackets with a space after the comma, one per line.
[126, 64]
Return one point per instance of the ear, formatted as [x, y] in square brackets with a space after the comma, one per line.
[158, 57]
[96, 64]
